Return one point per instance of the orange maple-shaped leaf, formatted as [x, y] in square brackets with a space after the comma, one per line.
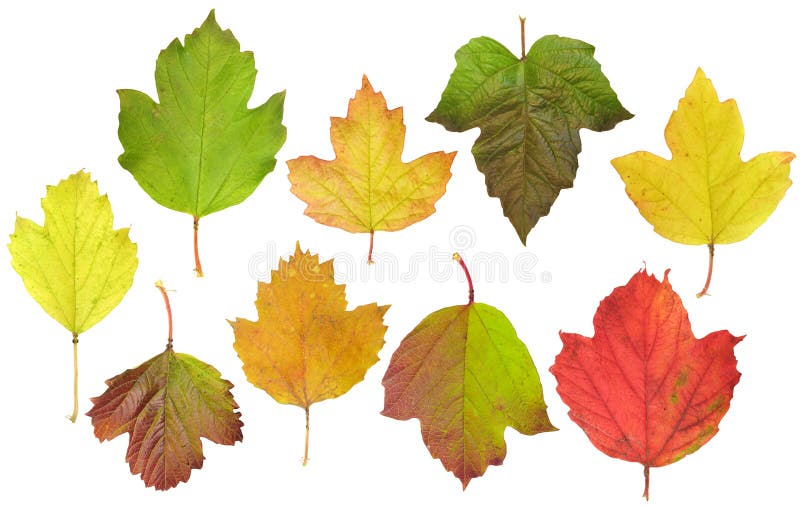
[367, 187]
[644, 389]
[305, 346]
[166, 405]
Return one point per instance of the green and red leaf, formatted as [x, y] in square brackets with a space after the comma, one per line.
[166, 405]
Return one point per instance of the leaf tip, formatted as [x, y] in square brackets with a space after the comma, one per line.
[699, 73]
[700, 80]
[211, 19]
[523, 234]
[365, 84]
[625, 114]
[432, 117]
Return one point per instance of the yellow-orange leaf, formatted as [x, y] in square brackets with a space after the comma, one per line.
[367, 187]
[306, 346]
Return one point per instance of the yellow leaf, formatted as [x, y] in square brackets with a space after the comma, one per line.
[367, 187]
[76, 266]
[305, 346]
[705, 194]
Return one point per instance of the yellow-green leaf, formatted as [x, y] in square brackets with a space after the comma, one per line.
[368, 187]
[705, 194]
[76, 266]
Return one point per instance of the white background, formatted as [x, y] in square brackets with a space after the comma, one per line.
[62, 63]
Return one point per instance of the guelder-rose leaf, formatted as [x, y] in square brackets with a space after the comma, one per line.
[466, 376]
[306, 346]
[530, 111]
[367, 187]
[166, 405]
[705, 194]
[644, 389]
[76, 266]
[200, 149]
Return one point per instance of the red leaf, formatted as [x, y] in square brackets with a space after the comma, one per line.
[166, 404]
[644, 389]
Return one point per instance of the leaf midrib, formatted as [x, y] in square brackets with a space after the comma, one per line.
[524, 117]
[525, 106]
[165, 398]
[709, 195]
[203, 128]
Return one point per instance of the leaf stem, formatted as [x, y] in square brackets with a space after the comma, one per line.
[305, 453]
[163, 291]
[522, 36]
[371, 244]
[198, 269]
[460, 260]
[646, 494]
[74, 415]
[704, 291]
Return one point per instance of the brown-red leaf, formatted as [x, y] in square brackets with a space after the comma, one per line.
[166, 405]
[644, 389]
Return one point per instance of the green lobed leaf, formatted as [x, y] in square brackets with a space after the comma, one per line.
[529, 111]
[200, 149]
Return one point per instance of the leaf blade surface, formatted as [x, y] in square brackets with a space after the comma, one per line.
[529, 111]
[75, 265]
[464, 373]
[705, 194]
[644, 389]
[367, 187]
[166, 405]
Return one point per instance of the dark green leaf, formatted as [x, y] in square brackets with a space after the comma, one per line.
[529, 111]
